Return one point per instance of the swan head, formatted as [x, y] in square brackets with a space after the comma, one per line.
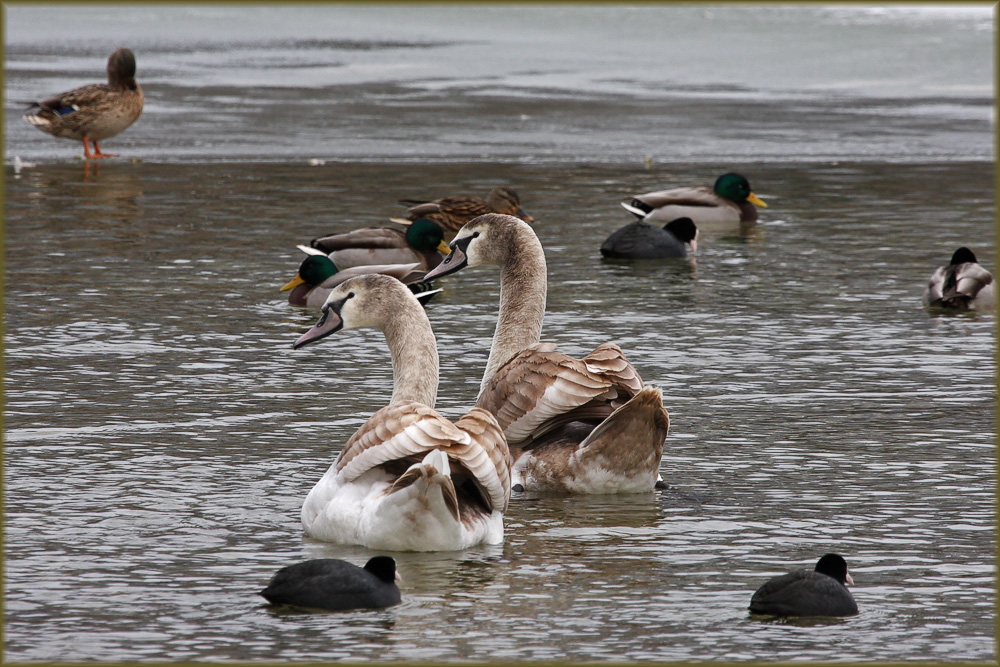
[370, 300]
[488, 239]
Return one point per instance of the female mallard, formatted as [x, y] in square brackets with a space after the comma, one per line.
[961, 285]
[730, 200]
[453, 212]
[573, 425]
[641, 240]
[819, 592]
[408, 479]
[318, 275]
[421, 242]
[95, 112]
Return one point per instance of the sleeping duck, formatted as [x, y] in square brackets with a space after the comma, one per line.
[730, 200]
[641, 240]
[453, 212]
[422, 242]
[318, 275]
[409, 479]
[587, 425]
[95, 112]
[961, 285]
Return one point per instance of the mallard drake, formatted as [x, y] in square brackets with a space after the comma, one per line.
[95, 112]
[730, 200]
[422, 242]
[819, 592]
[330, 583]
[409, 479]
[573, 425]
[641, 240]
[318, 275]
[961, 285]
[453, 212]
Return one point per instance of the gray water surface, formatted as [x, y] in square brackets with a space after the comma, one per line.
[527, 83]
[161, 433]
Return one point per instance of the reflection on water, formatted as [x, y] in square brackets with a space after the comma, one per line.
[161, 433]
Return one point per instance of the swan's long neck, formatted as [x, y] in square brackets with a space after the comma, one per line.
[414, 356]
[522, 302]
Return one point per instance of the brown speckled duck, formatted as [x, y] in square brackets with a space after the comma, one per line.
[453, 212]
[95, 112]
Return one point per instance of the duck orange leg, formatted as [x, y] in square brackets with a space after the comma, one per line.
[98, 153]
[97, 150]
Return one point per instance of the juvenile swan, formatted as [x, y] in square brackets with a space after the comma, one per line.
[573, 425]
[408, 479]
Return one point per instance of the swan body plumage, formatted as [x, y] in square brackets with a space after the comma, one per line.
[409, 479]
[573, 425]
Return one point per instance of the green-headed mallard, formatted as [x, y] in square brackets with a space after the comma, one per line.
[409, 479]
[318, 275]
[95, 112]
[961, 285]
[730, 200]
[453, 212]
[421, 242]
[641, 240]
[585, 425]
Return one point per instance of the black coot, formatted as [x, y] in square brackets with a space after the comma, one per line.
[641, 240]
[329, 583]
[819, 592]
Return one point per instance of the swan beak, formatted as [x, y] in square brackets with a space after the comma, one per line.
[293, 283]
[443, 248]
[756, 201]
[329, 323]
[455, 261]
[850, 581]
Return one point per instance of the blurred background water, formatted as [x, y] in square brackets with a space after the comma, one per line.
[523, 83]
[160, 434]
